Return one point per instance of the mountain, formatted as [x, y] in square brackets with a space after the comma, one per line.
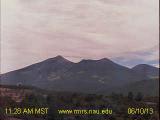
[147, 70]
[60, 74]
[38, 74]
[146, 87]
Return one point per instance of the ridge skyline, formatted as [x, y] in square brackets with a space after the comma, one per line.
[61, 57]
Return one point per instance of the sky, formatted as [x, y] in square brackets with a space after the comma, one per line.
[34, 30]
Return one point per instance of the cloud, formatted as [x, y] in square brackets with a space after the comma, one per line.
[36, 30]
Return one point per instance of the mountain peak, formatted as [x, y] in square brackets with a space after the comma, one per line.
[105, 60]
[146, 70]
[145, 66]
[59, 58]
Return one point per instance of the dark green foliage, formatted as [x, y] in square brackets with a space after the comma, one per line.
[139, 96]
[7, 101]
[117, 102]
[89, 98]
[130, 96]
[50, 103]
[34, 100]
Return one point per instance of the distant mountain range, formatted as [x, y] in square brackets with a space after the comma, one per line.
[146, 70]
[91, 76]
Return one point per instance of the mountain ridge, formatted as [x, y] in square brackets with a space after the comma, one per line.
[146, 70]
[61, 57]
[61, 74]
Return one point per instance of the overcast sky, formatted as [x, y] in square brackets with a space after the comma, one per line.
[33, 30]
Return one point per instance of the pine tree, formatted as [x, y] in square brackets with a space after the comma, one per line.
[130, 96]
